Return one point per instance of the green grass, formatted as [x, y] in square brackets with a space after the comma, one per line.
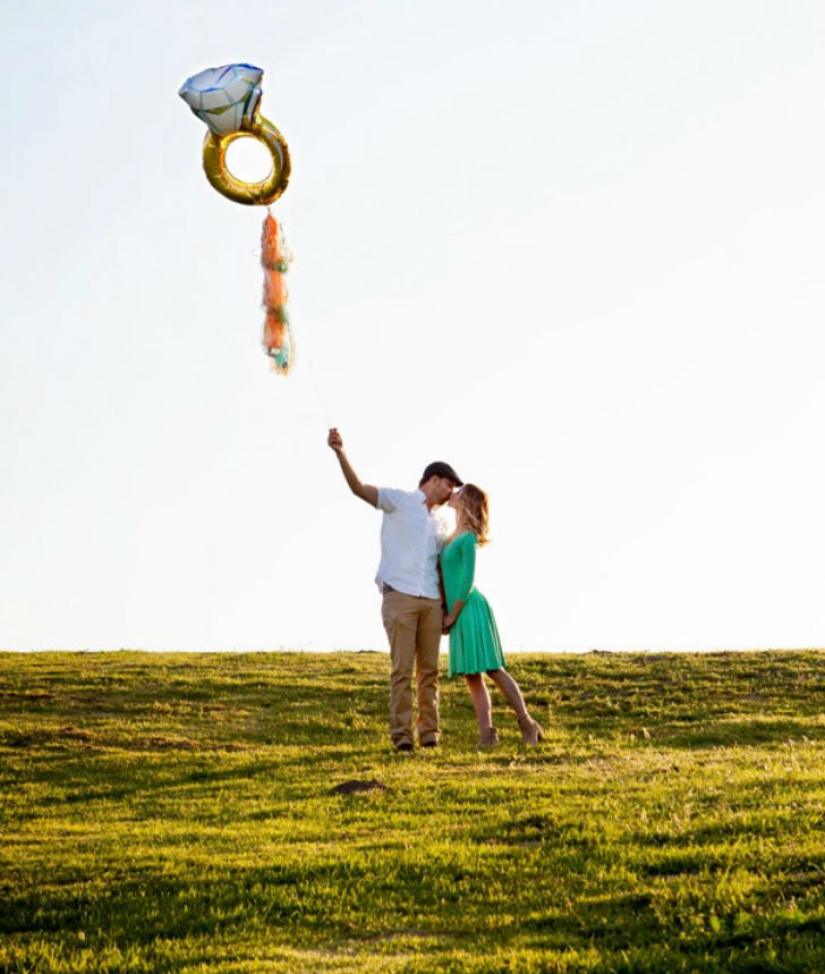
[185, 813]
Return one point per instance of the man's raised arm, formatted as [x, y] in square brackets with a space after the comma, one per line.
[366, 492]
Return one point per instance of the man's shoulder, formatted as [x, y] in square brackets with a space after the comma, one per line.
[391, 498]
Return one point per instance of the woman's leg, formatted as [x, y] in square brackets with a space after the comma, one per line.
[511, 691]
[480, 696]
[531, 730]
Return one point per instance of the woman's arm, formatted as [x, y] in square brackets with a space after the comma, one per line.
[468, 571]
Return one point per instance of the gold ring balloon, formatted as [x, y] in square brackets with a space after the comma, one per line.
[267, 190]
[228, 99]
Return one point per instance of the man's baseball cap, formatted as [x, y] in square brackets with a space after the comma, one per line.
[441, 469]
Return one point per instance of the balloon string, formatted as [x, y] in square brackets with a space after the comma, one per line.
[316, 388]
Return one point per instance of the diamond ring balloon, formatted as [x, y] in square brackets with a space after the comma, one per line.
[228, 100]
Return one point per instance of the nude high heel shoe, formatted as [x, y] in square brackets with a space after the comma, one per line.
[488, 737]
[530, 730]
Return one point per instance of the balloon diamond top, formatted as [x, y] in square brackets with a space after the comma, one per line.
[228, 100]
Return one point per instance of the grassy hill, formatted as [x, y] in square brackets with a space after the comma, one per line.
[245, 813]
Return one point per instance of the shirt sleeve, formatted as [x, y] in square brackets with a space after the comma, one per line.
[388, 499]
[468, 566]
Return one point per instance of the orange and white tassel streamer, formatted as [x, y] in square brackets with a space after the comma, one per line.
[275, 258]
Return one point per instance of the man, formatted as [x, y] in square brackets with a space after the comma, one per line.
[408, 578]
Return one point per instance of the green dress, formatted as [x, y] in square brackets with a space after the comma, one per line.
[474, 641]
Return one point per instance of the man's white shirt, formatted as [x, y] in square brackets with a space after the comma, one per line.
[411, 538]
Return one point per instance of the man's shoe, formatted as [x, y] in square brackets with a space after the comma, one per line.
[405, 747]
[429, 743]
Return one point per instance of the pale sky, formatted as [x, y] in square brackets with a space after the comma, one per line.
[573, 247]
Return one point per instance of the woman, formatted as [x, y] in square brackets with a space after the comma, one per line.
[475, 647]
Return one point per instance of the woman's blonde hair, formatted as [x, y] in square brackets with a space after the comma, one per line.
[475, 508]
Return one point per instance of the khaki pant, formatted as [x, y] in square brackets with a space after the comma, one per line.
[413, 628]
